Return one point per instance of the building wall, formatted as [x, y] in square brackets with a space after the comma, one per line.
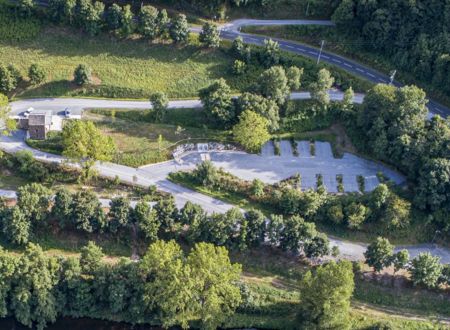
[38, 132]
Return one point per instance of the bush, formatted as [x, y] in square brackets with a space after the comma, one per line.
[82, 75]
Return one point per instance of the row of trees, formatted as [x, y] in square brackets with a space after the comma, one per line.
[165, 287]
[92, 17]
[413, 35]
[36, 208]
[394, 124]
[424, 270]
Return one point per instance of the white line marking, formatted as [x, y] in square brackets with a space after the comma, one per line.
[312, 53]
[346, 64]
[337, 61]
[371, 75]
[300, 49]
[326, 57]
[360, 70]
[289, 47]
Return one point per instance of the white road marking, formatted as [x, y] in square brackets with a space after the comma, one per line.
[346, 64]
[371, 75]
[360, 70]
[337, 61]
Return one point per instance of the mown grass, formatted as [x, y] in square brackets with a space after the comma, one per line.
[138, 140]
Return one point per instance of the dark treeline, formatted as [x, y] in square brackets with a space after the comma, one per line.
[166, 287]
[415, 35]
[392, 126]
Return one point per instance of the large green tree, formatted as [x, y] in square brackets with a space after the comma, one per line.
[251, 131]
[325, 297]
[217, 103]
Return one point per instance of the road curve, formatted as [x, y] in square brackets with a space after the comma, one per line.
[146, 177]
[231, 31]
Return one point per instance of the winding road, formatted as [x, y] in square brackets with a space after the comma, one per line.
[143, 177]
[231, 31]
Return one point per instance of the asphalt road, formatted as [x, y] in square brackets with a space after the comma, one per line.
[232, 30]
[77, 105]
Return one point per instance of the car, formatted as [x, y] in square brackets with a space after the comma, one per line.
[67, 112]
[28, 112]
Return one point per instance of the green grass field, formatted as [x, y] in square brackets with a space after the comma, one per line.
[138, 140]
[128, 68]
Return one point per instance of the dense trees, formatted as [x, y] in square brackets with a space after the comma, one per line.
[9, 78]
[10, 124]
[398, 132]
[325, 297]
[413, 35]
[165, 286]
[379, 254]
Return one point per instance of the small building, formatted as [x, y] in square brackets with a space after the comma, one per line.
[39, 124]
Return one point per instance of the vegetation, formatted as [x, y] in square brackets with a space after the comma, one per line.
[251, 131]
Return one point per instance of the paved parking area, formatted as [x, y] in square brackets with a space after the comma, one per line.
[271, 169]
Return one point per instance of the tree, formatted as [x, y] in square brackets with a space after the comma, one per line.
[193, 216]
[260, 105]
[28, 167]
[82, 140]
[221, 228]
[168, 289]
[400, 260]
[90, 16]
[239, 67]
[325, 297]
[210, 36]
[148, 24]
[251, 131]
[82, 75]
[318, 246]
[217, 103]
[119, 213]
[87, 213]
[7, 81]
[166, 213]
[271, 53]
[214, 278]
[273, 84]
[127, 21]
[425, 270]
[355, 214]
[319, 89]
[433, 187]
[159, 103]
[238, 48]
[34, 201]
[257, 188]
[379, 254]
[36, 74]
[164, 24]
[8, 264]
[347, 101]
[33, 297]
[206, 174]
[179, 29]
[256, 227]
[62, 206]
[10, 124]
[113, 17]
[146, 219]
[294, 76]
[16, 225]
[379, 197]
[397, 213]
[295, 233]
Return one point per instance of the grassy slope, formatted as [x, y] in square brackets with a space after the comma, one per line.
[337, 44]
[129, 68]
